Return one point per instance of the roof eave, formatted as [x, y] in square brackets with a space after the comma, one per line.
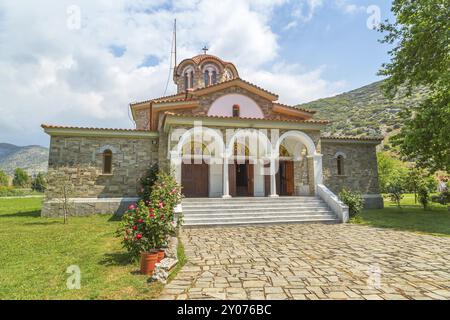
[240, 123]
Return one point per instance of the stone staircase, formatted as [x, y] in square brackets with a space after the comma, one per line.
[245, 211]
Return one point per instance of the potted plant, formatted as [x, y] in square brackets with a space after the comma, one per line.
[147, 225]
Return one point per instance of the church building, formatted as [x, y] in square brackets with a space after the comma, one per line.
[222, 137]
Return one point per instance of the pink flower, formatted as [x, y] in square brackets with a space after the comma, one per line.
[161, 205]
[152, 210]
[131, 207]
[151, 215]
[134, 228]
[141, 220]
[125, 238]
[139, 236]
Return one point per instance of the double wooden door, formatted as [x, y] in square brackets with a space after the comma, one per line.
[241, 179]
[284, 179]
[194, 179]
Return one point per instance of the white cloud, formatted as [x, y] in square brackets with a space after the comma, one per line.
[50, 73]
[349, 8]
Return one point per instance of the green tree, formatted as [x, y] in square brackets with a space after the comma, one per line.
[21, 178]
[396, 188]
[39, 183]
[388, 168]
[421, 57]
[3, 179]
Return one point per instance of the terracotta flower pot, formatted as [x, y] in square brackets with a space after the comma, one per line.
[161, 255]
[148, 261]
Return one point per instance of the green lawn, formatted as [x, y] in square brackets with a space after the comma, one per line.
[35, 253]
[410, 217]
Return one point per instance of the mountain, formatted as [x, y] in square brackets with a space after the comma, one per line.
[33, 159]
[364, 111]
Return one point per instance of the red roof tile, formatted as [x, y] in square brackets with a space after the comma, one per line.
[182, 115]
[353, 138]
[49, 126]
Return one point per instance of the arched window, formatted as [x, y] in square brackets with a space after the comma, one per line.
[236, 111]
[340, 165]
[186, 81]
[191, 80]
[107, 162]
[206, 78]
[214, 77]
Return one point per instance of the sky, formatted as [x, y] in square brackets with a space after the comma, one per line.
[81, 63]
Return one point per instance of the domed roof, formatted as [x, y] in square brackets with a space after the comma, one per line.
[199, 59]
[202, 57]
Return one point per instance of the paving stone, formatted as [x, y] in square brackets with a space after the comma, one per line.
[311, 261]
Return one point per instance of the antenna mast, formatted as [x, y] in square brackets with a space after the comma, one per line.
[173, 55]
[175, 41]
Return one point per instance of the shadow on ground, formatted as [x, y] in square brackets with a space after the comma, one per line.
[35, 214]
[116, 259]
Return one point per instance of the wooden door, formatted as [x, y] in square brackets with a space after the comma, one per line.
[194, 179]
[250, 179]
[232, 179]
[289, 177]
[267, 180]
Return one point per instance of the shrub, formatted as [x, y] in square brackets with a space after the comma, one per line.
[396, 189]
[39, 183]
[3, 179]
[443, 198]
[21, 178]
[148, 224]
[424, 195]
[147, 181]
[353, 200]
[13, 192]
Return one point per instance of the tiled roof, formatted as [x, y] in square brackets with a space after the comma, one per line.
[49, 126]
[181, 115]
[199, 58]
[379, 138]
[235, 79]
[295, 108]
[182, 96]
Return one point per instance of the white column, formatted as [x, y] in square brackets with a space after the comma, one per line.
[226, 186]
[318, 175]
[273, 182]
[175, 165]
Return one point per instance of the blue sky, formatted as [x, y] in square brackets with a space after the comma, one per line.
[82, 62]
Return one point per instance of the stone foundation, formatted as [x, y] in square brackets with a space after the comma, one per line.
[373, 201]
[87, 206]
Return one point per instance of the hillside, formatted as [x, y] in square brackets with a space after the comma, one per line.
[33, 159]
[363, 112]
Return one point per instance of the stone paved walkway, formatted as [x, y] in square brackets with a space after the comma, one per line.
[311, 261]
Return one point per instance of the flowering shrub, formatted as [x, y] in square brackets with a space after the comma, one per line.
[148, 224]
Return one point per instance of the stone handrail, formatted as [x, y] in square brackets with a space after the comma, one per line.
[336, 205]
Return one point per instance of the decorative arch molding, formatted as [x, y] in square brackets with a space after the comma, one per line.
[223, 106]
[300, 136]
[214, 136]
[260, 137]
[340, 153]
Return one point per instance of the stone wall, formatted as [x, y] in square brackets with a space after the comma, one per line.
[81, 158]
[360, 169]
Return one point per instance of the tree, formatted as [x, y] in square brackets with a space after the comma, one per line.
[396, 189]
[62, 190]
[388, 168]
[21, 178]
[421, 57]
[39, 183]
[3, 179]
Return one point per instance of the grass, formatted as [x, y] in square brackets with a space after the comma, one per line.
[35, 253]
[410, 217]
